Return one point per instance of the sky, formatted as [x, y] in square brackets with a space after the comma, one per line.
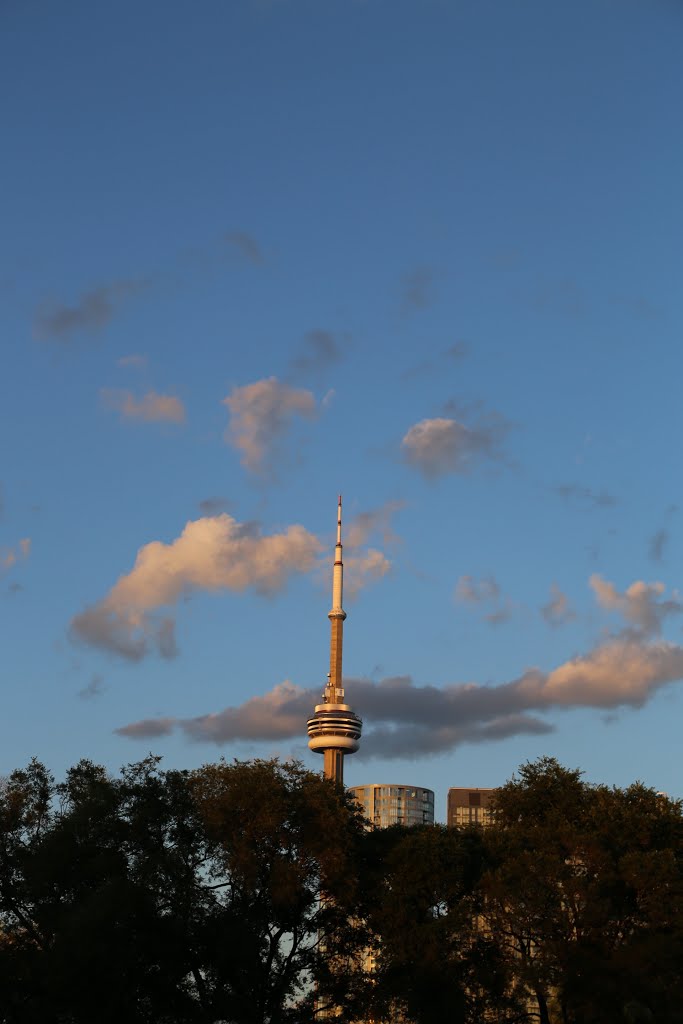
[425, 253]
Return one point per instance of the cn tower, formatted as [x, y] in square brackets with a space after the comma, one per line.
[334, 730]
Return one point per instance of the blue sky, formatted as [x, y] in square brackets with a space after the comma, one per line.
[422, 253]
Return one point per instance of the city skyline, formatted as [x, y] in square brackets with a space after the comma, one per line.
[424, 254]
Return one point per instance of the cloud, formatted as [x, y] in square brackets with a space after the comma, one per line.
[557, 611]
[406, 721]
[417, 290]
[320, 349]
[454, 354]
[95, 688]
[485, 591]
[658, 543]
[360, 570]
[148, 728]
[501, 615]
[473, 591]
[457, 351]
[377, 521]
[213, 554]
[639, 605]
[135, 360]
[443, 445]
[601, 499]
[246, 245]
[214, 505]
[9, 556]
[151, 408]
[261, 416]
[363, 567]
[91, 312]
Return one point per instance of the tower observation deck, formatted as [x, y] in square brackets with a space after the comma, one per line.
[334, 729]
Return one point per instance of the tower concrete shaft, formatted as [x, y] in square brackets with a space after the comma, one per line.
[334, 730]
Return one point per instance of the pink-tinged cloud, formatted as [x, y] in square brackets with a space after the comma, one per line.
[261, 416]
[9, 556]
[151, 408]
[625, 671]
[136, 361]
[408, 721]
[376, 522]
[360, 570]
[473, 591]
[213, 554]
[485, 592]
[557, 610]
[640, 605]
[148, 728]
[442, 445]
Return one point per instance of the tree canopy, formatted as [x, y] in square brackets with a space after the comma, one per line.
[167, 896]
[255, 893]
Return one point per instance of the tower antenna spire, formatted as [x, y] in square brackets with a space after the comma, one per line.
[334, 730]
[334, 691]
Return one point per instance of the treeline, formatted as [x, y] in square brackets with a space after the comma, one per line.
[194, 897]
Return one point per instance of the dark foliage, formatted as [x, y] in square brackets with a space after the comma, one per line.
[253, 893]
[167, 897]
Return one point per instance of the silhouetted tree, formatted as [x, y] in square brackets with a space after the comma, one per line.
[170, 896]
[253, 893]
[421, 900]
[585, 896]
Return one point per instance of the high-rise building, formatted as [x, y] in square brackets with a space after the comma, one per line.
[470, 806]
[386, 805]
[334, 729]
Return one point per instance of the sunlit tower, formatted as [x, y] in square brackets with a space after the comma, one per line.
[334, 730]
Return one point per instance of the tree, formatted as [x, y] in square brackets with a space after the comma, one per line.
[278, 837]
[92, 874]
[169, 897]
[584, 895]
[432, 964]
